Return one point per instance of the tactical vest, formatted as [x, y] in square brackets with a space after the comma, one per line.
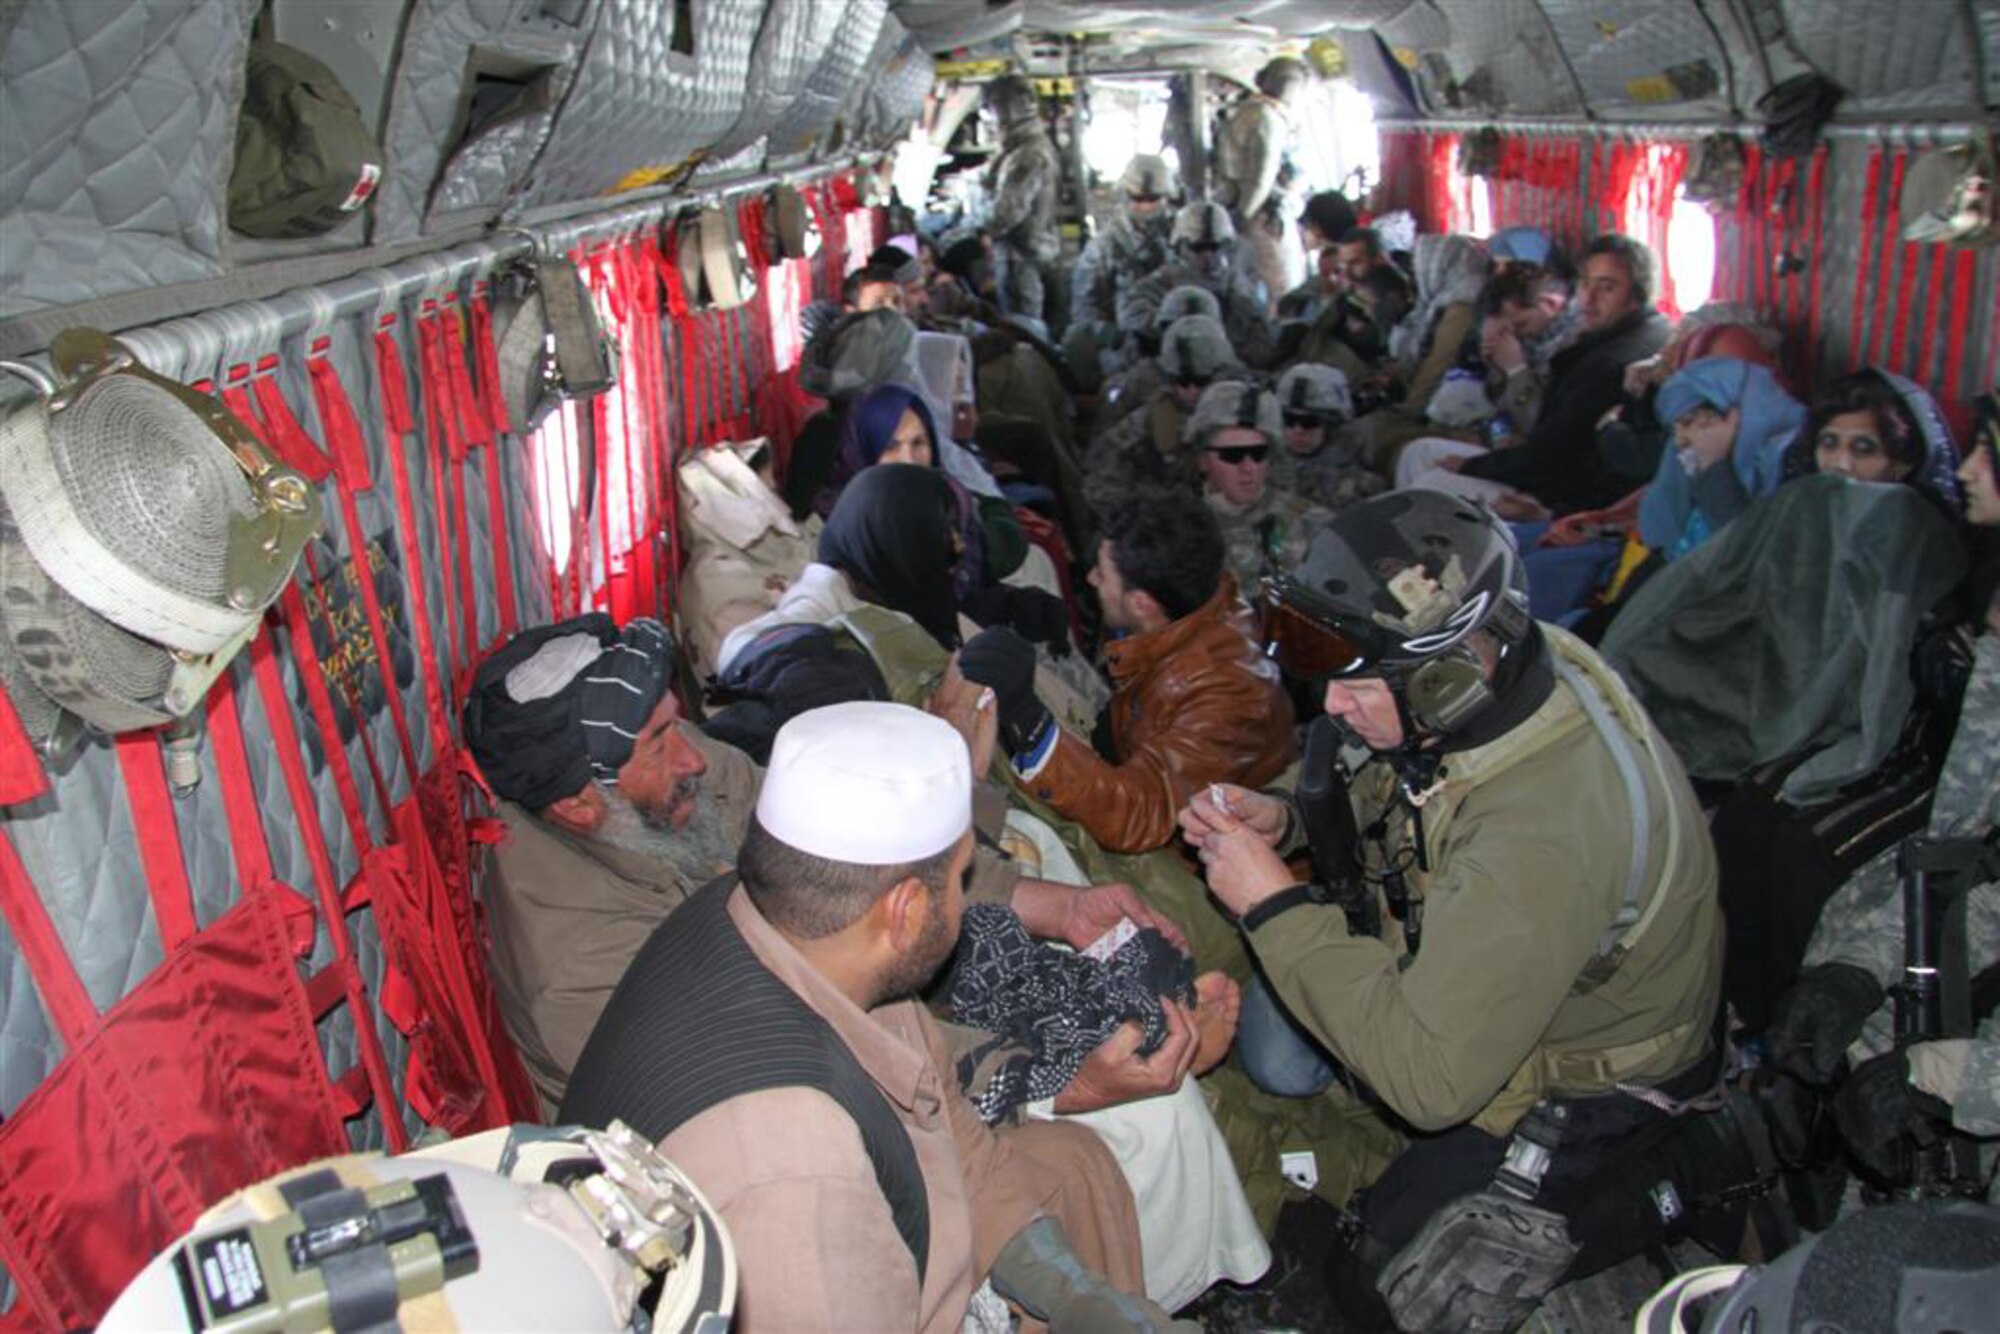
[699, 1020]
[1598, 701]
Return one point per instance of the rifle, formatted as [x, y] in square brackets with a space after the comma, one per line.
[1328, 818]
[1933, 999]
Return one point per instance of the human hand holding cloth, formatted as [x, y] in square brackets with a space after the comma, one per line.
[1000, 658]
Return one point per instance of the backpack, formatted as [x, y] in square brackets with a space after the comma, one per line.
[305, 160]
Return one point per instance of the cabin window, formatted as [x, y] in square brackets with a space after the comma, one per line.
[1691, 252]
[1127, 117]
[1337, 145]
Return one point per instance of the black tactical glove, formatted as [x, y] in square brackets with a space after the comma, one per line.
[1882, 1116]
[1819, 1018]
[1003, 660]
[1036, 613]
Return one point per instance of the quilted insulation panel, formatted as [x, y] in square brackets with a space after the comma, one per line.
[789, 43]
[1642, 57]
[446, 44]
[117, 123]
[1891, 56]
[647, 95]
[843, 65]
[882, 107]
[1502, 54]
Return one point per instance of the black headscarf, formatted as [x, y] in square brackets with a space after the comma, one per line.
[891, 534]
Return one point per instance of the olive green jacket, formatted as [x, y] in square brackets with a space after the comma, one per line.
[1529, 841]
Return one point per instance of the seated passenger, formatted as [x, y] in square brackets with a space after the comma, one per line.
[1136, 243]
[1432, 339]
[1326, 217]
[1135, 386]
[1875, 426]
[743, 545]
[1204, 246]
[1552, 936]
[1732, 426]
[1314, 402]
[1235, 428]
[1899, 1095]
[1529, 317]
[1193, 701]
[1352, 332]
[1523, 247]
[1556, 465]
[1151, 446]
[860, 1188]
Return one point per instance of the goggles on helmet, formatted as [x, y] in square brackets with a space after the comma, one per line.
[1303, 636]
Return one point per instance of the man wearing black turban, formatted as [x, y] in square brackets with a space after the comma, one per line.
[616, 808]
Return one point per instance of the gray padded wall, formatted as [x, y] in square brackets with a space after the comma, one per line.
[842, 66]
[790, 41]
[117, 123]
[442, 38]
[883, 106]
[1622, 51]
[638, 103]
[1888, 56]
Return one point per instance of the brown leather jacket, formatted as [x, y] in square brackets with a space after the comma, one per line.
[1194, 704]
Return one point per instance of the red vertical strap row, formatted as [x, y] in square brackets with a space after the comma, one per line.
[1815, 273]
[1858, 325]
[1958, 340]
[54, 974]
[662, 568]
[336, 415]
[282, 429]
[21, 775]
[1906, 277]
[158, 837]
[397, 423]
[333, 911]
[493, 428]
[447, 454]
[486, 353]
[247, 843]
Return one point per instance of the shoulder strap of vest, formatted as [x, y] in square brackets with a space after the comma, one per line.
[1599, 696]
[672, 1043]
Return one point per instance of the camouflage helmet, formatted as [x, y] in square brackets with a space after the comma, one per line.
[1012, 99]
[1282, 77]
[1196, 347]
[1149, 174]
[1310, 387]
[1233, 403]
[1185, 300]
[1203, 223]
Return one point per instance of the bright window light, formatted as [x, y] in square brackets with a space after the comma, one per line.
[1127, 117]
[1691, 253]
[1481, 192]
[1338, 148]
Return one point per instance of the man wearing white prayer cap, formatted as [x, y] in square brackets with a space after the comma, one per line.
[768, 1037]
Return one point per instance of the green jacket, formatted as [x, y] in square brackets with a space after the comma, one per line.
[1529, 841]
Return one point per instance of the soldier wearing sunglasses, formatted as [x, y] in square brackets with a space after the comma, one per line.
[1235, 429]
[1539, 989]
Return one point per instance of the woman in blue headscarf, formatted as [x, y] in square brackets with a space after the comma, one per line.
[1732, 423]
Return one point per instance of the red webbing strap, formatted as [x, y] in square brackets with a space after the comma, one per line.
[503, 550]
[662, 576]
[1906, 277]
[336, 414]
[277, 710]
[1816, 201]
[320, 703]
[1879, 335]
[247, 843]
[1956, 339]
[475, 425]
[641, 429]
[282, 431]
[453, 544]
[336, 418]
[486, 357]
[398, 422]
[21, 775]
[158, 836]
[1857, 325]
[63, 996]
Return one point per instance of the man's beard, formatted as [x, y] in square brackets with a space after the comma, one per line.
[909, 974]
[701, 849]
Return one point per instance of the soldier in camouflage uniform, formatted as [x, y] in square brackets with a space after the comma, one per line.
[1836, 1009]
[1314, 402]
[1137, 384]
[1136, 242]
[1252, 172]
[1024, 182]
[1236, 427]
[1204, 249]
[1149, 446]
